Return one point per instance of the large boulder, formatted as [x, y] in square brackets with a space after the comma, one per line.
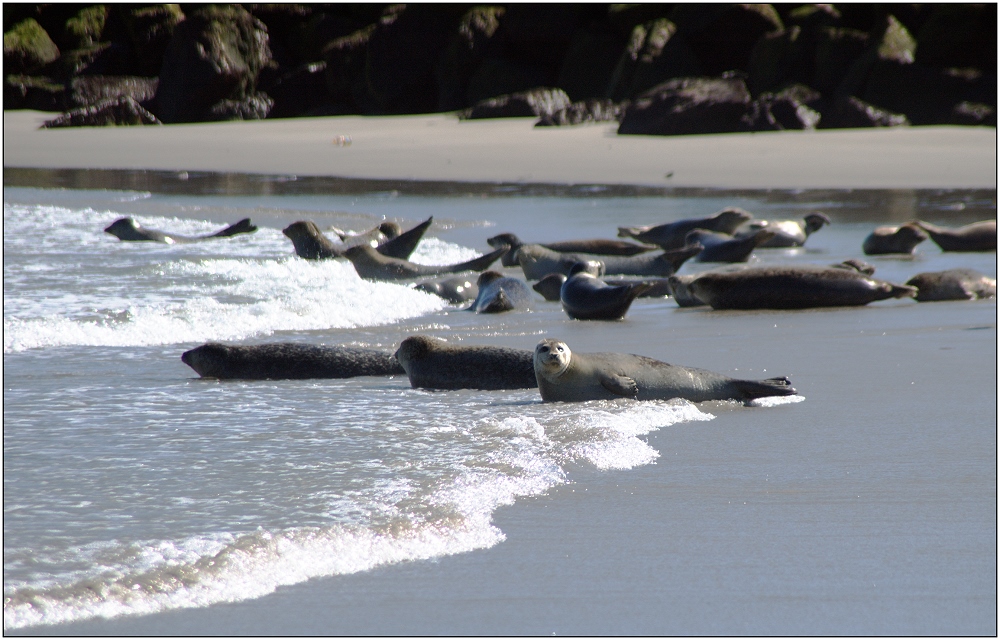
[27, 48]
[88, 90]
[654, 54]
[537, 103]
[118, 111]
[836, 51]
[592, 110]
[590, 61]
[33, 92]
[689, 106]
[215, 55]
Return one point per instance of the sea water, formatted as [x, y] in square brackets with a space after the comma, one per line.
[131, 486]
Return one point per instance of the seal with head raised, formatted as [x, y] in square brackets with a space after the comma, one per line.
[721, 247]
[792, 287]
[310, 243]
[372, 265]
[565, 376]
[584, 296]
[953, 284]
[787, 233]
[672, 234]
[498, 293]
[978, 236]
[901, 239]
[288, 361]
[432, 363]
[128, 230]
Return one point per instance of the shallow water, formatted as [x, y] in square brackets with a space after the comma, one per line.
[132, 487]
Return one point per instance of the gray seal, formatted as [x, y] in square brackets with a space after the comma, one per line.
[432, 363]
[565, 376]
[584, 296]
[953, 284]
[792, 287]
[310, 243]
[288, 361]
[372, 265]
[551, 285]
[537, 262]
[499, 293]
[722, 247]
[455, 290]
[671, 235]
[886, 240]
[600, 247]
[978, 236]
[128, 230]
[787, 233]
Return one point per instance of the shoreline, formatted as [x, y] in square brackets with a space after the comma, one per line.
[440, 148]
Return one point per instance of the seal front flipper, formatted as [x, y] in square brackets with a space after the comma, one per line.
[243, 226]
[753, 389]
[618, 384]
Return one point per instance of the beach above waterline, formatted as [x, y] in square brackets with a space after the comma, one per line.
[868, 508]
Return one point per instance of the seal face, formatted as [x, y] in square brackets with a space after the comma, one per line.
[432, 363]
[565, 376]
[288, 361]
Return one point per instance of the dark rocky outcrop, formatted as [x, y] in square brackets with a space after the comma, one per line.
[689, 106]
[539, 102]
[27, 47]
[118, 111]
[583, 111]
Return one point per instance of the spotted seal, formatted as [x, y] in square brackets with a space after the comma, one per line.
[978, 236]
[498, 293]
[128, 230]
[672, 234]
[432, 363]
[288, 361]
[565, 376]
[953, 284]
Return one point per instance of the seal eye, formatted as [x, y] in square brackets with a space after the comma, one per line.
[559, 348]
[543, 349]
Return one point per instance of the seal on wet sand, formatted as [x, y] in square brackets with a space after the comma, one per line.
[787, 233]
[953, 284]
[455, 290]
[498, 293]
[432, 363]
[128, 230]
[565, 376]
[978, 236]
[885, 240]
[601, 247]
[537, 262]
[372, 265]
[288, 361]
[584, 296]
[792, 287]
[310, 243]
[671, 235]
[721, 247]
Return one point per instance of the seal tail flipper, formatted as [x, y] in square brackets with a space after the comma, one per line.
[753, 389]
[481, 263]
[900, 290]
[403, 245]
[243, 226]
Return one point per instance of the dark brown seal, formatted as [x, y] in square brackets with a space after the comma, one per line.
[310, 243]
[953, 284]
[128, 230]
[584, 296]
[432, 363]
[564, 376]
[372, 265]
[978, 236]
[885, 240]
[722, 247]
[288, 361]
[671, 235]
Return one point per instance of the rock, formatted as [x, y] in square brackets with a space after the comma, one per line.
[590, 61]
[299, 92]
[471, 42]
[925, 95]
[119, 111]
[33, 92]
[654, 54]
[255, 107]
[27, 47]
[214, 55]
[85, 28]
[850, 112]
[722, 36]
[583, 111]
[959, 35]
[689, 106]
[775, 112]
[497, 77]
[836, 51]
[89, 90]
[539, 102]
[345, 61]
[974, 113]
[780, 58]
[149, 30]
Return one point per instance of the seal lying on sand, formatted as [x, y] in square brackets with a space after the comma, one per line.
[599, 247]
[288, 361]
[978, 236]
[564, 376]
[498, 293]
[311, 244]
[787, 233]
[372, 265]
[551, 285]
[953, 284]
[455, 290]
[902, 239]
[586, 297]
[537, 262]
[721, 247]
[792, 287]
[671, 235]
[128, 230]
[432, 363]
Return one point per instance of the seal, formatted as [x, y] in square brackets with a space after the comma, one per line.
[372, 265]
[432, 363]
[792, 287]
[498, 293]
[902, 239]
[671, 235]
[584, 296]
[953, 284]
[310, 243]
[128, 230]
[551, 285]
[455, 290]
[721, 247]
[787, 233]
[537, 262]
[599, 247]
[978, 236]
[288, 361]
[565, 376]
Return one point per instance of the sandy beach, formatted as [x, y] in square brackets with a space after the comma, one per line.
[597, 556]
